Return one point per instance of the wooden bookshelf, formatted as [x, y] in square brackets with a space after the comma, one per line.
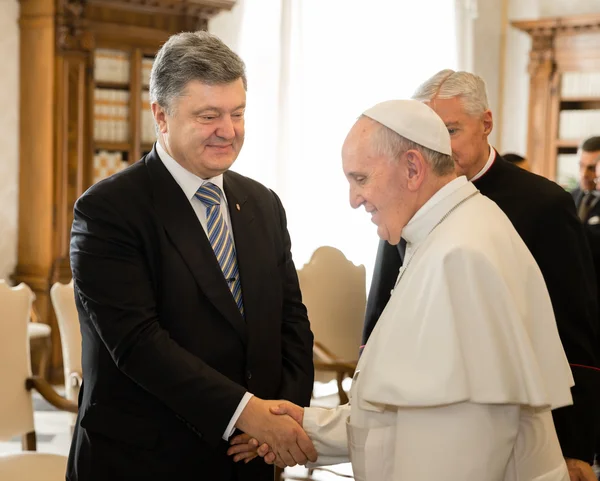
[58, 42]
[111, 146]
[581, 100]
[112, 85]
[563, 49]
[567, 143]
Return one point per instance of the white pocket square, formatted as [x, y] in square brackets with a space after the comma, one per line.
[594, 220]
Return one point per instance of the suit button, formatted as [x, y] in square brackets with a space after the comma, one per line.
[248, 374]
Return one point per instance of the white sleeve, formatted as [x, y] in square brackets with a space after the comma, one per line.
[230, 429]
[327, 430]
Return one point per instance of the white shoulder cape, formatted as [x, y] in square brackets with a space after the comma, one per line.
[471, 320]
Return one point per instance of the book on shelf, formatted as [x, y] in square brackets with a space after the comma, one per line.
[107, 163]
[146, 69]
[148, 130]
[111, 66]
[111, 115]
[579, 124]
[580, 84]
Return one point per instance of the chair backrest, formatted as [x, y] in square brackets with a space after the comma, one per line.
[30, 466]
[63, 301]
[334, 293]
[16, 408]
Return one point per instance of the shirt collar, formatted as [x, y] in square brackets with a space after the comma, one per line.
[428, 216]
[487, 165]
[189, 183]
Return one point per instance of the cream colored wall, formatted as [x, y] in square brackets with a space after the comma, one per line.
[487, 33]
[9, 134]
[227, 25]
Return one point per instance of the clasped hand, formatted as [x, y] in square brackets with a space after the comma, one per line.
[275, 434]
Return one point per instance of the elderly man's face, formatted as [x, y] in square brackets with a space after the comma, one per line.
[377, 182]
[468, 134]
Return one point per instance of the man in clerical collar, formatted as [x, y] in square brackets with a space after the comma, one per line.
[465, 364]
[545, 217]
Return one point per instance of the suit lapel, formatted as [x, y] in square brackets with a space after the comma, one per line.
[247, 243]
[186, 233]
[594, 211]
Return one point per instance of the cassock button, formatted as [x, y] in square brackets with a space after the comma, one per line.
[249, 374]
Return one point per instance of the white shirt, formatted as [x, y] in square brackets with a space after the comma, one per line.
[190, 183]
[487, 165]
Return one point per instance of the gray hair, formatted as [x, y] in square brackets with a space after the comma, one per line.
[191, 56]
[391, 144]
[446, 84]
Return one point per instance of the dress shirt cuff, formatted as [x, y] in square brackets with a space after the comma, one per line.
[231, 426]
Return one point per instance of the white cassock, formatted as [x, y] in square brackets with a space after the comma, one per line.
[462, 370]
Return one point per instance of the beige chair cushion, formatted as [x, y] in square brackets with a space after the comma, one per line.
[334, 292]
[32, 466]
[63, 301]
[16, 409]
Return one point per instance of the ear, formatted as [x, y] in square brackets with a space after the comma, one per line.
[160, 117]
[488, 122]
[415, 164]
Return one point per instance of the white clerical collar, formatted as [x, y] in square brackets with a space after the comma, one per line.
[430, 214]
[189, 183]
[487, 165]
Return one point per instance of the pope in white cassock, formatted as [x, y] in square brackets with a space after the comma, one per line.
[460, 374]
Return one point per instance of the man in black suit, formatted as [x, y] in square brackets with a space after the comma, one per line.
[586, 196]
[587, 203]
[190, 310]
[544, 216]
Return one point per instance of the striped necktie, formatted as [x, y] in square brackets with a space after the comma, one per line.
[220, 240]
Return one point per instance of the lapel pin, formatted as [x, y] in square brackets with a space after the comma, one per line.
[238, 206]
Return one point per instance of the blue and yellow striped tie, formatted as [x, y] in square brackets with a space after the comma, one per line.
[220, 240]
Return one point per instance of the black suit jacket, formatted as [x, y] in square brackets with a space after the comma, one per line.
[167, 355]
[544, 216]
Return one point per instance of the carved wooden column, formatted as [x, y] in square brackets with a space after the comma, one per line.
[72, 123]
[36, 148]
[541, 88]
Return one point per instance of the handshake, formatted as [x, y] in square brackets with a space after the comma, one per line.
[273, 431]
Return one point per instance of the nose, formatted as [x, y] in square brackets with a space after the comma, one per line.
[356, 200]
[226, 129]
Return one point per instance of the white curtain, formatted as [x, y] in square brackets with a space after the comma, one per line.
[313, 67]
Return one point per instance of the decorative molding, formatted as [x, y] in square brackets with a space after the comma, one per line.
[542, 54]
[549, 36]
[71, 26]
[562, 25]
[199, 9]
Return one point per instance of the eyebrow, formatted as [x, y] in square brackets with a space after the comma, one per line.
[208, 108]
[452, 124]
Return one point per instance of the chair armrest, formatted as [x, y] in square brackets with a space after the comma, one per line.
[50, 395]
[340, 367]
[75, 379]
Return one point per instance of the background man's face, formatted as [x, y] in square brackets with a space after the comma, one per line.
[587, 169]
